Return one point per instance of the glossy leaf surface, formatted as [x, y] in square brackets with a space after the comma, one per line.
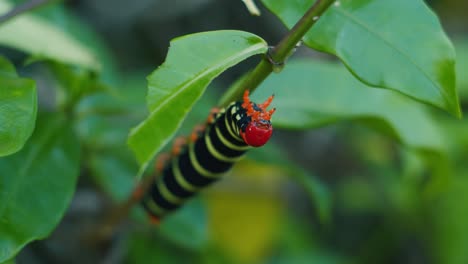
[325, 93]
[397, 44]
[36, 185]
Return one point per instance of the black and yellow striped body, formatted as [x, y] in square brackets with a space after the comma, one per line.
[200, 162]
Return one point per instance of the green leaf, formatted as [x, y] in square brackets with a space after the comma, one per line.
[63, 18]
[104, 118]
[310, 94]
[83, 32]
[192, 63]
[18, 106]
[398, 45]
[42, 39]
[37, 184]
[74, 83]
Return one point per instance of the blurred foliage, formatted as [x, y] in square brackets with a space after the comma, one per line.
[50, 152]
[362, 175]
[360, 35]
[18, 109]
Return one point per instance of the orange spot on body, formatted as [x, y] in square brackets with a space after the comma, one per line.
[196, 132]
[154, 220]
[161, 162]
[214, 111]
[179, 144]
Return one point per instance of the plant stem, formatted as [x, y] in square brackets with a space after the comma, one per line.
[277, 54]
[23, 8]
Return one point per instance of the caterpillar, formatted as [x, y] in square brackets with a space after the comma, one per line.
[209, 152]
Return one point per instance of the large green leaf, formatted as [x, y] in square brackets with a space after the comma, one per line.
[193, 61]
[396, 44]
[311, 94]
[18, 106]
[42, 39]
[36, 185]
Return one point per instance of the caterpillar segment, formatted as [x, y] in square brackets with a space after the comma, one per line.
[209, 152]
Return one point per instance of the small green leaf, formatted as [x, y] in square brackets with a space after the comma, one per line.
[18, 106]
[37, 184]
[41, 39]
[397, 44]
[192, 63]
[310, 94]
[74, 83]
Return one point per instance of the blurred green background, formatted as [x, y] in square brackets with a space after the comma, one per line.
[342, 193]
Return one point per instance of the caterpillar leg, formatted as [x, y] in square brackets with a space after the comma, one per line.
[196, 132]
[140, 189]
[137, 196]
[212, 116]
[161, 162]
[154, 220]
[138, 193]
[179, 145]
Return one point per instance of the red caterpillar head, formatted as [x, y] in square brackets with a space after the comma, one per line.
[258, 131]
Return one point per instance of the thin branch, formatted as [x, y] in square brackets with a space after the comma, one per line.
[278, 54]
[23, 8]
